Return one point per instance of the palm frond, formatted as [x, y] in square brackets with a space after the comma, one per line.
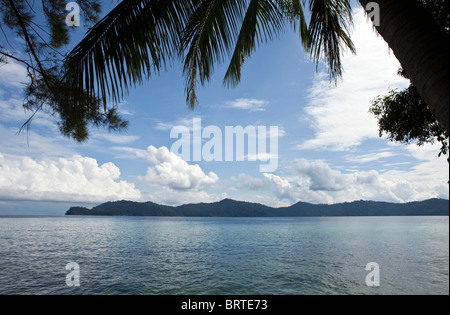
[329, 32]
[262, 22]
[134, 40]
[139, 37]
[208, 38]
[293, 10]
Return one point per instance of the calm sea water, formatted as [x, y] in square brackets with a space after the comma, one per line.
[135, 255]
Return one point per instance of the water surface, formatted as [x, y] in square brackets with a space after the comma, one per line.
[149, 255]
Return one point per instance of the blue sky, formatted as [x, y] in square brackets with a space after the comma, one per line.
[329, 150]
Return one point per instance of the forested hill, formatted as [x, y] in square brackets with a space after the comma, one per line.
[232, 208]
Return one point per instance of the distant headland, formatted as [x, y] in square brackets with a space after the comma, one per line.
[233, 208]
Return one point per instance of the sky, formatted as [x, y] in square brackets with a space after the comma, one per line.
[321, 142]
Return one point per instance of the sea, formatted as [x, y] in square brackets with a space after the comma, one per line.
[224, 256]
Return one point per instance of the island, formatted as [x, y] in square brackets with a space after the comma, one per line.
[233, 208]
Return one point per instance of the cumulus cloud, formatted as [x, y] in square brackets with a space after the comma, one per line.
[281, 187]
[320, 176]
[318, 182]
[78, 179]
[170, 170]
[426, 179]
[247, 182]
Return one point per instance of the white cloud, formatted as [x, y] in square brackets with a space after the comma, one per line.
[251, 105]
[116, 139]
[123, 109]
[246, 182]
[339, 114]
[12, 111]
[13, 74]
[365, 158]
[262, 156]
[318, 182]
[320, 176]
[33, 144]
[426, 179]
[170, 170]
[77, 179]
[183, 121]
[281, 187]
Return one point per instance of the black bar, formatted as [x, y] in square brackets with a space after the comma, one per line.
[244, 304]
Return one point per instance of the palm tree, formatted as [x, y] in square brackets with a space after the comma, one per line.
[139, 37]
[422, 47]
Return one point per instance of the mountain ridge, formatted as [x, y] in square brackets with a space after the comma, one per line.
[233, 208]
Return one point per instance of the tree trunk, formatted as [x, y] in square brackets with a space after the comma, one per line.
[422, 48]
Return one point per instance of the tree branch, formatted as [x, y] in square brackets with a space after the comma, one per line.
[41, 69]
[30, 45]
[19, 60]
